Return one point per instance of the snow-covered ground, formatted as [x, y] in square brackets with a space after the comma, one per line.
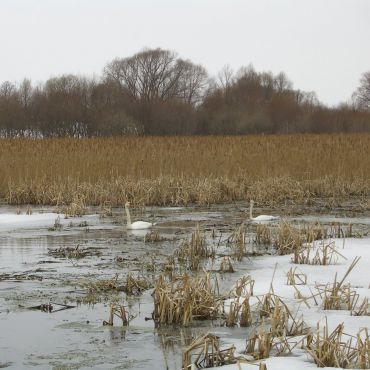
[9, 221]
[359, 279]
[42, 221]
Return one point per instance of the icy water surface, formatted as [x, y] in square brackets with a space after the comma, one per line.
[76, 338]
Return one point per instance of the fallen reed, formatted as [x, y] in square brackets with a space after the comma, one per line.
[183, 170]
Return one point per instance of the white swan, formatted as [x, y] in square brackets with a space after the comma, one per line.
[137, 225]
[260, 217]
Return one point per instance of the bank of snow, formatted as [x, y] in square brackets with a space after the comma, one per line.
[11, 222]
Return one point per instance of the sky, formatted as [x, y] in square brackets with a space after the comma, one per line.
[322, 45]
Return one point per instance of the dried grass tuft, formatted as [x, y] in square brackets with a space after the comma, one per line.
[208, 353]
[339, 349]
[192, 252]
[182, 299]
[119, 311]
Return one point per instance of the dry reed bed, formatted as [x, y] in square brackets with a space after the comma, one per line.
[182, 170]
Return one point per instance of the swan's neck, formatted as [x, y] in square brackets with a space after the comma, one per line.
[128, 216]
[250, 211]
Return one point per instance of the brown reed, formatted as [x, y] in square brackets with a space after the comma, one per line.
[119, 311]
[339, 349]
[182, 299]
[208, 353]
[193, 251]
[183, 170]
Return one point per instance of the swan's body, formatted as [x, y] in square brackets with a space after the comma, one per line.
[137, 225]
[260, 217]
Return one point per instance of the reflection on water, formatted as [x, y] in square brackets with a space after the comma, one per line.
[76, 337]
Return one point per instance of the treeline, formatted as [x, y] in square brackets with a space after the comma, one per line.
[156, 93]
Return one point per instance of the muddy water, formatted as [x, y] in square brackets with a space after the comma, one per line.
[75, 338]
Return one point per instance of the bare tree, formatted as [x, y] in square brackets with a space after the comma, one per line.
[225, 78]
[157, 74]
[193, 82]
[282, 82]
[25, 92]
[362, 94]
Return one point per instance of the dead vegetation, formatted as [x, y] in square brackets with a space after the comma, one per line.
[76, 208]
[74, 252]
[131, 285]
[339, 349]
[239, 313]
[184, 169]
[135, 285]
[263, 235]
[120, 311]
[339, 296]
[363, 309]
[205, 352]
[153, 237]
[192, 252]
[237, 242]
[323, 253]
[243, 287]
[288, 239]
[57, 225]
[295, 277]
[21, 276]
[226, 265]
[105, 210]
[262, 344]
[182, 299]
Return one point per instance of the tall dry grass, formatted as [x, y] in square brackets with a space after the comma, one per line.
[182, 170]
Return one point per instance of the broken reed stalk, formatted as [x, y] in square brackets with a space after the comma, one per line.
[245, 313]
[233, 314]
[184, 299]
[105, 209]
[243, 287]
[208, 353]
[279, 319]
[322, 254]
[240, 312]
[131, 285]
[363, 309]
[76, 208]
[152, 237]
[193, 251]
[289, 239]
[226, 265]
[296, 278]
[134, 285]
[338, 296]
[119, 311]
[259, 344]
[263, 235]
[237, 242]
[338, 349]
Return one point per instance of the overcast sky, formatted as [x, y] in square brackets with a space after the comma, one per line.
[322, 45]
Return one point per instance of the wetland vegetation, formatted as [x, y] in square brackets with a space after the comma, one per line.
[205, 286]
